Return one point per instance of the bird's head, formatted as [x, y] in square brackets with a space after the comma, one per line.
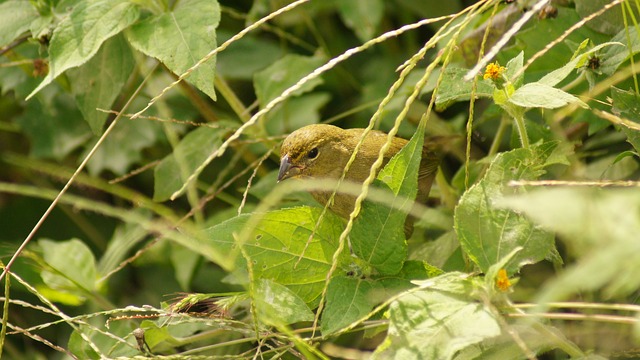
[314, 151]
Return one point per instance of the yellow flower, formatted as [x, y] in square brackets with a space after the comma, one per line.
[494, 71]
[502, 281]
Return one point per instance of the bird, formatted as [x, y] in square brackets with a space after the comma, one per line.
[321, 151]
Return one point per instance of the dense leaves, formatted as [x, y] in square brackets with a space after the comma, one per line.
[175, 239]
[488, 233]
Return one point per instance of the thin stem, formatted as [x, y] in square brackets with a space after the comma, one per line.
[495, 145]
[522, 130]
[581, 317]
[5, 312]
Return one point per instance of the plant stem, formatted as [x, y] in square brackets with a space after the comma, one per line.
[495, 145]
[522, 130]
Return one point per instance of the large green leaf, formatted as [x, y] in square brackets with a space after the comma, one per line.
[277, 247]
[79, 36]
[348, 300]
[538, 95]
[453, 88]
[70, 268]
[488, 233]
[378, 235]
[174, 169]
[555, 77]
[55, 130]
[437, 322]
[351, 298]
[180, 38]
[97, 83]
[15, 18]
[277, 305]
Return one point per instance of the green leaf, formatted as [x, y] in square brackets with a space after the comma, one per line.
[351, 298]
[362, 16]
[276, 305]
[378, 235]
[538, 95]
[165, 336]
[613, 56]
[284, 73]
[174, 169]
[15, 18]
[513, 67]
[80, 348]
[155, 335]
[556, 76]
[627, 104]
[71, 266]
[276, 244]
[180, 38]
[453, 88]
[244, 58]
[434, 324]
[348, 300]
[609, 22]
[97, 83]
[184, 262]
[600, 226]
[79, 36]
[123, 147]
[54, 131]
[124, 239]
[488, 233]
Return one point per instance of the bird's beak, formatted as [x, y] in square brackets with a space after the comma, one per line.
[285, 166]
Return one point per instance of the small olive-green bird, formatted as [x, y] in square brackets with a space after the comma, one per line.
[321, 151]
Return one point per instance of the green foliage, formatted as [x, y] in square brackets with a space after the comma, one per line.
[180, 38]
[531, 224]
[174, 169]
[378, 235]
[453, 321]
[96, 85]
[279, 247]
[487, 233]
[69, 271]
[78, 37]
[14, 19]
[276, 305]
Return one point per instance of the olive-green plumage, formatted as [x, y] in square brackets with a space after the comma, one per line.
[321, 152]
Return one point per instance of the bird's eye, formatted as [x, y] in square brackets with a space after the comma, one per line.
[313, 153]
